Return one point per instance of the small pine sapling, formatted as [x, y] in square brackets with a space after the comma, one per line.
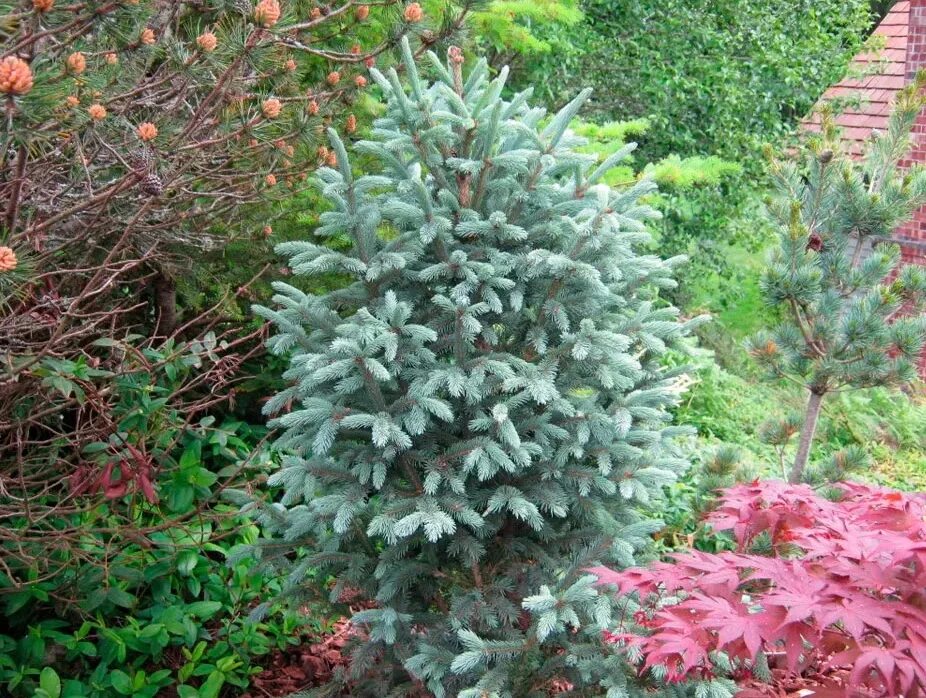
[852, 311]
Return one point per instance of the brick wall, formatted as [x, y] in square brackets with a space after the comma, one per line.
[915, 230]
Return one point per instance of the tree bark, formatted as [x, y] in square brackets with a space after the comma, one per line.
[165, 303]
[811, 416]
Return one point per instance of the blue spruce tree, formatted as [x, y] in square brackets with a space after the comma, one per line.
[477, 415]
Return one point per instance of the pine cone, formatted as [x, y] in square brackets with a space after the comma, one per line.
[271, 108]
[413, 12]
[8, 259]
[147, 131]
[77, 63]
[15, 76]
[141, 159]
[152, 184]
[267, 13]
[207, 41]
[815, 242]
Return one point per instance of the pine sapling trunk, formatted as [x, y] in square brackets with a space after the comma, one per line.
[165, 302]
[811, 417]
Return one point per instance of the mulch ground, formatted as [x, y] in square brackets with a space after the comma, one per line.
[302, 666]
[311, 663]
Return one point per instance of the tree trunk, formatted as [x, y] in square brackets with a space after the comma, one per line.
[814, 402]
[165, 303]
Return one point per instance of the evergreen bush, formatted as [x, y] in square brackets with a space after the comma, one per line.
[480, 413]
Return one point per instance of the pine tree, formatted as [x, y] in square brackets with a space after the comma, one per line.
[144, 144]
[478, 415]
[853, 312]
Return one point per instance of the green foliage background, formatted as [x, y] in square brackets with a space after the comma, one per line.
[715, 77]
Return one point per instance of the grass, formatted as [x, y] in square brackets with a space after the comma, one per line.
[736, 304]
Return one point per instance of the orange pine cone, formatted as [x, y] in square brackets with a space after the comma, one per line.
[72, 101]
[267, 13]
[207, 41]
[363, 12]
[8, 259]
[290, 65]
[42, 5]
[15, 76]
[351, 125]
[77, 63]
[334, 77]
[97, 112]
[112, 58]
[271, 108]
[413, 12]
[360, 81]
[271, 180]
[147, 131]
[312, 108]
[147, 37]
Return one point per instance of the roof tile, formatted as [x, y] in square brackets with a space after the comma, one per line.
[875, 92]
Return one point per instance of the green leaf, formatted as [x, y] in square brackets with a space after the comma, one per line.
[120, 597]
[50, 683]
[192, 456]
[186, 562]
[180, 496]
[204, 609]
[122, 682]
[212, 685]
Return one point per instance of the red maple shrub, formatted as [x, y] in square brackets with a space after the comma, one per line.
[840, 596]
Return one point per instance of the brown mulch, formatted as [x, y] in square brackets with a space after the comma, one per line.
[831, 684]
[300, 667]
